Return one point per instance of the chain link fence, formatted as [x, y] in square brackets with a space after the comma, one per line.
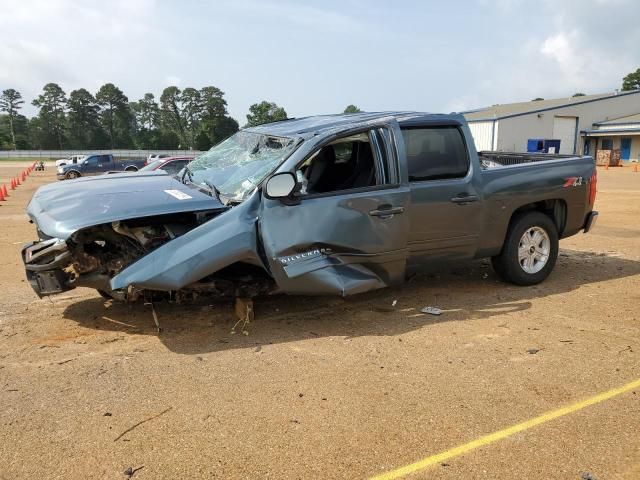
[57, 154]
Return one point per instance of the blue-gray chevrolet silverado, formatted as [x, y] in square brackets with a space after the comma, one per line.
[97, 165]
[335, 204]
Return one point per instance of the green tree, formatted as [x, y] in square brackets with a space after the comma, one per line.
[10, 102]
[51, 126]
[216, 125]
[115, 115]
[537, 99]
[631, 81]
[171, 112]
[191, 102]
[578, 95]
[265, 112]
[352, 109]
[147, 112]
[83, 118]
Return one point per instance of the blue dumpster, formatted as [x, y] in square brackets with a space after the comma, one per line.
[543, 145]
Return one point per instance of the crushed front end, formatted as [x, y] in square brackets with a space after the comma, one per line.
[45, 263]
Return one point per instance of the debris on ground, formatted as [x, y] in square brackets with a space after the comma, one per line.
[140, 423]
[587, 476]
[431, 310]
[130, 472]
[533, 351]
[244, 311]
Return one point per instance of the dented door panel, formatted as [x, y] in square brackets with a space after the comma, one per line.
[335, 244]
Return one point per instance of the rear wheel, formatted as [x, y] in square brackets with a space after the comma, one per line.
[530, 250]
[131, 169]
[71, 175]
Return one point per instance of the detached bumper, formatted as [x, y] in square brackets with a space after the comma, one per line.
[44, 263]
[590, 221]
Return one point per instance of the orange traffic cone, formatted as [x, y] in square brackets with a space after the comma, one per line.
[635, 168]
[1, 196]
[5, 192]
[18, 180]
[13, 185]
[24, 176]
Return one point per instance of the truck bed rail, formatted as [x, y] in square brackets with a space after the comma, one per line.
[515, 158]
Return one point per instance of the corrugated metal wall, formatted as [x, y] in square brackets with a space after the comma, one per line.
[485, 134]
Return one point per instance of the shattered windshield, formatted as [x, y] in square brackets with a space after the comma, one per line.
[236, 166]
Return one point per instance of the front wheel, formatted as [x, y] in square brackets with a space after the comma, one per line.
[530, 250]
[71, 175]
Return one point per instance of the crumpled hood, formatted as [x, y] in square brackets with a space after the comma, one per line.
[60, 209]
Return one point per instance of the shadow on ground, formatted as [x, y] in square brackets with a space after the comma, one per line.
[470, 291]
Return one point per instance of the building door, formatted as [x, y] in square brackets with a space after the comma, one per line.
[565, 130]
[625, 148]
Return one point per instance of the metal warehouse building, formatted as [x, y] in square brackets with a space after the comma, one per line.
[586, 124]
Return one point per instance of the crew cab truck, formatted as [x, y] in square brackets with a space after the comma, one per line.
[96, 165]
[337, 204]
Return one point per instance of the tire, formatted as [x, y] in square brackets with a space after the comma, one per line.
[131, 169]
[104, 294]
[530, 250]
[71, 175]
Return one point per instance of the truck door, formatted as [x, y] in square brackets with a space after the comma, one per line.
[446, 205]
[91, 165]
[347, 231]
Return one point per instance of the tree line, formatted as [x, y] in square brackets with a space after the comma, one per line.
[179, 119]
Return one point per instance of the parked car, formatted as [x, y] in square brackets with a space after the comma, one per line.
[97, 164]
[72, 159]
[171, 165]
[155, 156]
[322, 205]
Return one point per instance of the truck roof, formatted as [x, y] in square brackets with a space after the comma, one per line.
[322, 123]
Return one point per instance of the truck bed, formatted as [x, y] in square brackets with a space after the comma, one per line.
[488, 159]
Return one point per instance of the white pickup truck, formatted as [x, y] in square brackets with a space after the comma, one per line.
[72, 159]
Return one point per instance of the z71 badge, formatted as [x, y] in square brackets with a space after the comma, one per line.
[573, 182]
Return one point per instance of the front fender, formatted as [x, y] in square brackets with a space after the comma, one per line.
[226, 239]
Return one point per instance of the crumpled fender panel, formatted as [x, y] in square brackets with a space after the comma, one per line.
[341, 274]
[222, 241]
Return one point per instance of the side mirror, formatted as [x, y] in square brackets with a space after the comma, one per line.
[280, 185]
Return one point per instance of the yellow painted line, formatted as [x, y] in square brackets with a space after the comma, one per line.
[507, 432]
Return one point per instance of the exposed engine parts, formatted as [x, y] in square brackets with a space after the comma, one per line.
[93, 256]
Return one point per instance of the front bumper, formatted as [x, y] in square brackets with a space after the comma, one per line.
[60, 176]
[590, 221]
[44, 263]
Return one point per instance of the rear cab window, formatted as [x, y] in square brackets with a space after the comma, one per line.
[435, 153]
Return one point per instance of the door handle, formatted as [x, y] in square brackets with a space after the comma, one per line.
[462, 199]
[386, 212]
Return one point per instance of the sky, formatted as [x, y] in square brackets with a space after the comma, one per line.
[318, 57]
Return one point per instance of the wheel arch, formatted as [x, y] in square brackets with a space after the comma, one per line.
[556, 209]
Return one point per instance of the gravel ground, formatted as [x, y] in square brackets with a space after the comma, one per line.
[326, 387]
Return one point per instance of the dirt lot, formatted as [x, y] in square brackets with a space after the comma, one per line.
[331, 388]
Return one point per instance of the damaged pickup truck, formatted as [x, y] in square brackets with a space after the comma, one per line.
[337, 204]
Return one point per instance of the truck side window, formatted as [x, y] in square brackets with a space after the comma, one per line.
[344, 164]
[435, 153]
